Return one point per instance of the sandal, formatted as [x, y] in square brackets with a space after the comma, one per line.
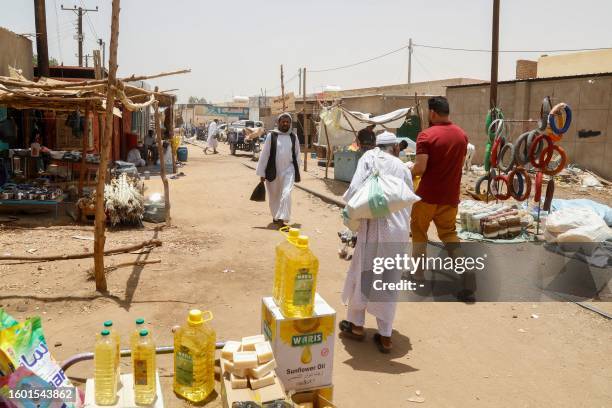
[381, 347]
[346, 330]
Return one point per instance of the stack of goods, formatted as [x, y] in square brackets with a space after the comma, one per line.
[26, 365]
[297, 322]
[507, 164]
[249, 363]
[29, 192]
[123, 201]
[492, 220]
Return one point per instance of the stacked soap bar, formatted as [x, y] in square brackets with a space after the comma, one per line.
[249, 362]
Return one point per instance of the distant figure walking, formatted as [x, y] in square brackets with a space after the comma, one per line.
[279, 166]
[212, 142]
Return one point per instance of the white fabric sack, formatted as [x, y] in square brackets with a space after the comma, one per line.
[569, 218]
[381, 195]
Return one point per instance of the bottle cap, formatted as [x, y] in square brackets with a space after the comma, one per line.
[144, 333]
[302, 241]
[140, 320]
[108, 323]
[195, 317]
[105, 332]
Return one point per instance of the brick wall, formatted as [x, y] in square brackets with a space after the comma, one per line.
[526, 69]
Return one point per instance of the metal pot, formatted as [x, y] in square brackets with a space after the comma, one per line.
[19, 195]
[42, 197]
[31, 196]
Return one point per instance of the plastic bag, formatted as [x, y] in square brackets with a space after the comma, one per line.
[24, 344]
[381, 195]
[259, 193]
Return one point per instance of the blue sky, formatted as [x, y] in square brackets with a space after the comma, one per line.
[235, 47]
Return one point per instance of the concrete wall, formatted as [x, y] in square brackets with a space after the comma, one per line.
[15, 51]
[589, 97]
[577, 63]
[421, 88]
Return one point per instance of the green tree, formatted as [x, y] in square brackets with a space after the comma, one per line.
[195, 99]
[53, 62]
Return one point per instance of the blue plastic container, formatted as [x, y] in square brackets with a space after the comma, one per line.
[181, 154]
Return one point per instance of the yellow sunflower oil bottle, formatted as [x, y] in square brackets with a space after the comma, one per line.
[194, 357]
[299, 281]
[105, 381]
[108, 325]
[281, 260]
[143, 361]
[138, 327]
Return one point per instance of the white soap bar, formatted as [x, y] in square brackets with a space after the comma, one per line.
[245, 359]
[262, 370]
[264, 352]
[229, 349]
[228, 367]
[262, 382]
[304, 405]
[238, 382]
[248, 343]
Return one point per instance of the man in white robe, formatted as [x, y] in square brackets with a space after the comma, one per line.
[212, 142]
[374, 238]
[280, 174]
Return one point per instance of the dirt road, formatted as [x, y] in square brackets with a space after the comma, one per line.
[219, 256]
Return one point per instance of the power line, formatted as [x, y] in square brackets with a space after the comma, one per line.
[360, 62]
[59, 40]
[91, 27]
[509, 51]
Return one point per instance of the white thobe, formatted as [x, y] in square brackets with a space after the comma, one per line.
[279, 190]
[135, 158]
[212, 141]
[393, 230]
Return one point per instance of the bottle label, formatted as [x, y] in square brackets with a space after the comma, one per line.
[183, 366]
[302, 289]
[140, 372]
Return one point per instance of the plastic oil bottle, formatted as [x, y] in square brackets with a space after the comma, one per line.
[299, 281]
[108, 325]
[105, 381]
[139, 326]
[143, 361]
[194, 357]
[281, 260]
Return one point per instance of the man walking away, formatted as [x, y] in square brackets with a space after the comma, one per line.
[212, 142]
[373, 238]
[278, 165]
[440, 152]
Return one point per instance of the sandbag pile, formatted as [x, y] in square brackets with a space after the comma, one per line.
[576, 225]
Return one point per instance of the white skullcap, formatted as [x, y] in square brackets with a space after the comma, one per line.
[386, 138]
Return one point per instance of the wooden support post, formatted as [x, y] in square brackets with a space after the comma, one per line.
[328, 153]
[162, 162]
[171, 134]
[305, 122]
[100, 223]
[84, 151]
[283, 90]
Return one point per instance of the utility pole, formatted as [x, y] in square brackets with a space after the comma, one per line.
[42, 48]
[300, 84]
[80, 11]
[87, 57]
[102, 45]
[494, 54]
[305, 123]
[410, 61]
[283, 89]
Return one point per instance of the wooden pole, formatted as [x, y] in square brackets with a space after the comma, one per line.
[329, 151]
[162, 162]
[100, 223]
[305, 122]
[84, 152]
[171, 134]
[283, 90]
[494, 54]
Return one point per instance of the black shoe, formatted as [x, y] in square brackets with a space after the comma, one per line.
[466, 296]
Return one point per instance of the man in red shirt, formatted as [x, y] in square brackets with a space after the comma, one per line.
[440, 152]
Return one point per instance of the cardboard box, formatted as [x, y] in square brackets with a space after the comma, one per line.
[265, 394]
[319, 397]
[303, 348]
